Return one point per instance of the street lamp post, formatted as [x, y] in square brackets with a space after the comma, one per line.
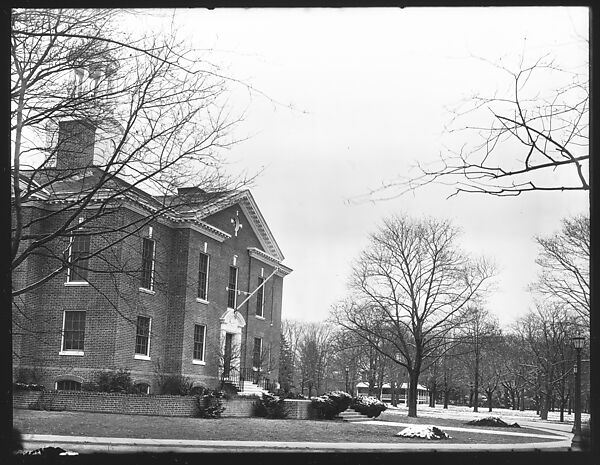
[347, 371]
[578, 342]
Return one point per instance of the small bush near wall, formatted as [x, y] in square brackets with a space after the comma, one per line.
[28, 387]
[271, 407]
[370, 406]
[209, 403]
[331, 404]
[111, 381]
[175, 385]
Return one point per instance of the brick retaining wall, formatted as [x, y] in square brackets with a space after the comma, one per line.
[101, 402]
[139, 404]
[300, 409]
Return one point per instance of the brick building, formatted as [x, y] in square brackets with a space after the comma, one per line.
[188, 284]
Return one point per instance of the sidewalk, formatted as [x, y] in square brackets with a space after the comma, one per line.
[83, 444]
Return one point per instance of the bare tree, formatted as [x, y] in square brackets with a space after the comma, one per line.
[409, 288]
[151, 114]
[526, 138]
[565, 262]
[478, 332]
[314, 355]
[547, 331]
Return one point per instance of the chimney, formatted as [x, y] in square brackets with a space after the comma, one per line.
[75, 148]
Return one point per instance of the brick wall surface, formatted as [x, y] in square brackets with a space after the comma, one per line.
[159, 405]
[133, 404]
[113, 301]
[299, 409]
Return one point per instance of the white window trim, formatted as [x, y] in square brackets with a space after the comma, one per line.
[195, 361]
[144, 289]
[202, 301]
[68, 281]
[258, 317]
[147, 291]
[235, 294]
[79, 353]
[199, 299]
[147, 355]
[262, 303]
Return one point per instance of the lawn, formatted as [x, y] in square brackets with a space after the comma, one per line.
[242, 429]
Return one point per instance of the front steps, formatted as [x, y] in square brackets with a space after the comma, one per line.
[351, 415]
[251, 389]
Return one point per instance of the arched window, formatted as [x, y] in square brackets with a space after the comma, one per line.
[68, 385]
[142, 388]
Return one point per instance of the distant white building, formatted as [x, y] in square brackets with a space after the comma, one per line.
[362, 389]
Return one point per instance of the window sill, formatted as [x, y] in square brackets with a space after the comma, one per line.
[76, 283]
[198, 362]
[146, 291]
[258, 317]
[202, 301]
[141, 357]
[78, 353]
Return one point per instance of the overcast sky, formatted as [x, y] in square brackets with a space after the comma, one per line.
[370, 91]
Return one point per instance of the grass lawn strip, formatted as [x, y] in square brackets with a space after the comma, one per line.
[471, 430]
[133, 427]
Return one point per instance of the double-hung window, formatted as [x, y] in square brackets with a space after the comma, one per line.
[203, 277]
[79, 252]
[73, 333]
[199, 337]
[148, 255]
[260, 297]
[232, 287]
[257, 353]
[142, 337]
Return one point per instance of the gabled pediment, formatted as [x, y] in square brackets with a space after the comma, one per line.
[250, 210]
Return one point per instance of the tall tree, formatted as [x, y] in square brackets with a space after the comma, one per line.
[409, 288]
[547, 331]
[565, 261]
[152, 106]
[314, 356]
[286, 366]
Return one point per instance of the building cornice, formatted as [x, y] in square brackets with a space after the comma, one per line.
[264, 257]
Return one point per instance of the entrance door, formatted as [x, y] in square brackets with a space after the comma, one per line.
[227, 355]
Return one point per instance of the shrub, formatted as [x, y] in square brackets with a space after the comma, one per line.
[111, 381]
[331, 404]
[209, 403]
[175, 385]
[28, 387]
[289, 394]
[369, 406]
[269, 406]
[341, 400]
[229, 390]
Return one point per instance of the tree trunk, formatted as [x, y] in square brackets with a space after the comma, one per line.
[476, 385]
[412, 394]
[522, 399]
[545, 406]
[489, 399]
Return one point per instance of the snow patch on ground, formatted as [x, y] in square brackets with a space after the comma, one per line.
[424, 432]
